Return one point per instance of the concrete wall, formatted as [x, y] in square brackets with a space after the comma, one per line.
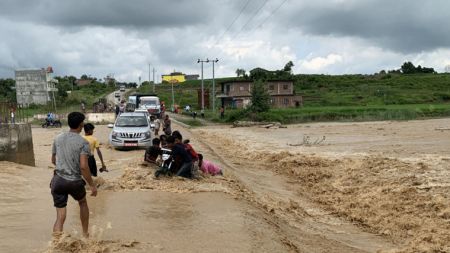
[44, 116]
[101, 117]
[90, 117]
[16, 143]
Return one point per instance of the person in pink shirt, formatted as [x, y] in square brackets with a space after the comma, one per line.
[208, 167]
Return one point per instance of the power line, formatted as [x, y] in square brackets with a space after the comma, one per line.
[248, 21]
[271, 14]
[251, 18]
[232, 23]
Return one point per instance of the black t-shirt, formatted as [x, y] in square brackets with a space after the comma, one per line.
[152, 153]
[179, 152]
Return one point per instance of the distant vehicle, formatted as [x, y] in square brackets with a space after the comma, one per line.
[149, 102]
[144, 112]
[117, 94]
[131, 129]
[122, 88]
[152, 124]
[53, 123]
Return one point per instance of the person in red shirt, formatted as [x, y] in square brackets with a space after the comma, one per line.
[190, 150]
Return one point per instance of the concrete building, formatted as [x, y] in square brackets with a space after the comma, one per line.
[192, 77]
[35, 86]
[237, 94]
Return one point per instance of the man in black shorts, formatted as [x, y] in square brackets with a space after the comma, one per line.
[70, 155]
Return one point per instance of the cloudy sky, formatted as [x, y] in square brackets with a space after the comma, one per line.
[101, 37]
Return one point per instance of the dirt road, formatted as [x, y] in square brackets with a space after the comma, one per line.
[367, 187]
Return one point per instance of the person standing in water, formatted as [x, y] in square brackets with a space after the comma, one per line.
[70, 155]
[167, 126]
[93, 145]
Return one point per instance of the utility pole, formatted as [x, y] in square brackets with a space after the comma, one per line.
[172, 81]
[214, 88]
[153, 79]
[54, 100]
[203, 92]
[149, 76]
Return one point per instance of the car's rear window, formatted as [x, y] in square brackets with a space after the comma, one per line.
[132, 121]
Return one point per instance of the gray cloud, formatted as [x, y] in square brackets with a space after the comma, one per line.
[402, 25]
[111, 36]
[136, 13]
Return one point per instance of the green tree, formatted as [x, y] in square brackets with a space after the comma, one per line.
[7, 91]
[240, 72]
[408, 68]
[259, 74]
[260, 98]
[288, 67]
[428, 70]
[61, 94]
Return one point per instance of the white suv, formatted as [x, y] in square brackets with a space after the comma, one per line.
[131, 129]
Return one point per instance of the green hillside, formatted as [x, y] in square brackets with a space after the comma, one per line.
[342, 90]
[341, 97]
[382, 89]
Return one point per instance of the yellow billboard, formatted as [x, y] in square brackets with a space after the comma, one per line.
[175, 77]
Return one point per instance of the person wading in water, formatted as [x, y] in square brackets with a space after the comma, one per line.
[70, 155]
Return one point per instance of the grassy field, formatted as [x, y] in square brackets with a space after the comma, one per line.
[357, 113]
[387, 89]
[342, 90]
[339, 98]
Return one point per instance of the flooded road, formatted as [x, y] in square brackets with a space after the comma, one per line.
[157, 220]
[343, 195]
[25, 208]
[172, 222]
[124, 221]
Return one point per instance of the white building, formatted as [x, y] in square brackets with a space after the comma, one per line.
[35, 86]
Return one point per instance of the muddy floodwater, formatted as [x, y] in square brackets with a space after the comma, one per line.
[156, 220]
[324, 187]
